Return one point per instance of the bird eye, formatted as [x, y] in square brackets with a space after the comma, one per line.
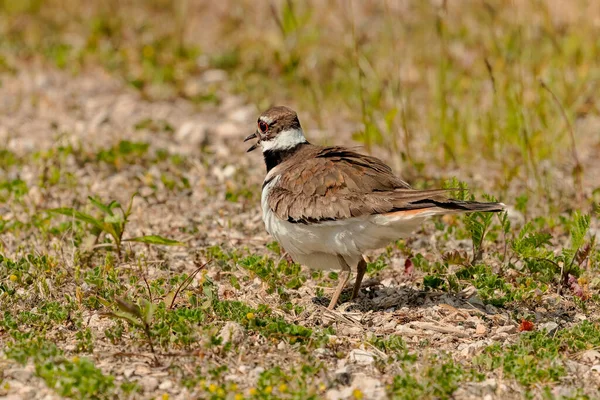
[263, 126]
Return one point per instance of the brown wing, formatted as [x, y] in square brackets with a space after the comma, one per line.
[337, 183]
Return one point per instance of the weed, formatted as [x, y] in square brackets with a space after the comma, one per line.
[112, 221]
[137, 315]
[76, 378]
[438, 379]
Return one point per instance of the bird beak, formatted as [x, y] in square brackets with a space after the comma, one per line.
[255, 145]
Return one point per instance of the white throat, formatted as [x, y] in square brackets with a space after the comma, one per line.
[284, 140]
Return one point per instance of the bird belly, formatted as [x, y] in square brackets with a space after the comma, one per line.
[317, 245]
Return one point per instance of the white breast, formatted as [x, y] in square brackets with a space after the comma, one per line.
[317, 245]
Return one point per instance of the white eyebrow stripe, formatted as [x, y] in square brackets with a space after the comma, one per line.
[266, 119]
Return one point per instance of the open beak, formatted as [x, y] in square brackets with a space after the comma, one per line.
[255, 145]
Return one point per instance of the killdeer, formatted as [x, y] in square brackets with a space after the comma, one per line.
[327, 206]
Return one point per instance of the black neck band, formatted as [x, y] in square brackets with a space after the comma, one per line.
[275, 157]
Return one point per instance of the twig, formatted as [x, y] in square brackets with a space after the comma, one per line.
[490, 73]
[439, 328]
[187, 283]
[273, 10]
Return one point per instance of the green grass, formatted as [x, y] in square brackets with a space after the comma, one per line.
[73, 378]
[538, 358]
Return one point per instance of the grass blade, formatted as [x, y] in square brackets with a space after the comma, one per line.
[155, 239]
[78, 215]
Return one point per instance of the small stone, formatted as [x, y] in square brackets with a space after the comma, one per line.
[128, 372]
[20, 374]
[231, 332]
[550, 327]
[351, 330]
[476, 301]
[507, 329]
[406, 330]
[166, 385]
[361, 357]
[148, 383]
[142, 370]
[490, 384]
[480, 329]
[590, 356]
[390, 326]
[466, 350]
[490, 309]
[500, 336]
[281, 346]
[321, 352]
[580, 317]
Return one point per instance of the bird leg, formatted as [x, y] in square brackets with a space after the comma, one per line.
[360, 272]
[342, 282]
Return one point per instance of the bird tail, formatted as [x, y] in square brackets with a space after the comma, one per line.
[434, 202]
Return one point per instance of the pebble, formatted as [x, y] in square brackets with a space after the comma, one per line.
[148, 383]
[128, 372]
[361, 357]
[480, 329]
[550, 327]
[470, 349]
[406, 330]
[166, 385]
[507, 329]
[500, 336]
[350, 330]
[590, 356]
[20, 374]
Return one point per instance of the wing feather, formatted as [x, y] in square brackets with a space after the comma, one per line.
[332, 183]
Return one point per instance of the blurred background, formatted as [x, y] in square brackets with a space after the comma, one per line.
[432, 86]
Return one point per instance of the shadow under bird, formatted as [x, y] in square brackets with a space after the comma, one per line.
[327, 206]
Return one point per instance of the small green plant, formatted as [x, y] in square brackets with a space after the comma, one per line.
[75, 378]
[477, 223]
[139, 316]
[113, 221]
[124, 152]
[438, 379]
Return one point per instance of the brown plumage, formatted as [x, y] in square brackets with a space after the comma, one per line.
[331, 183]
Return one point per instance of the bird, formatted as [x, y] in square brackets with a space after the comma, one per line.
[328, 205]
